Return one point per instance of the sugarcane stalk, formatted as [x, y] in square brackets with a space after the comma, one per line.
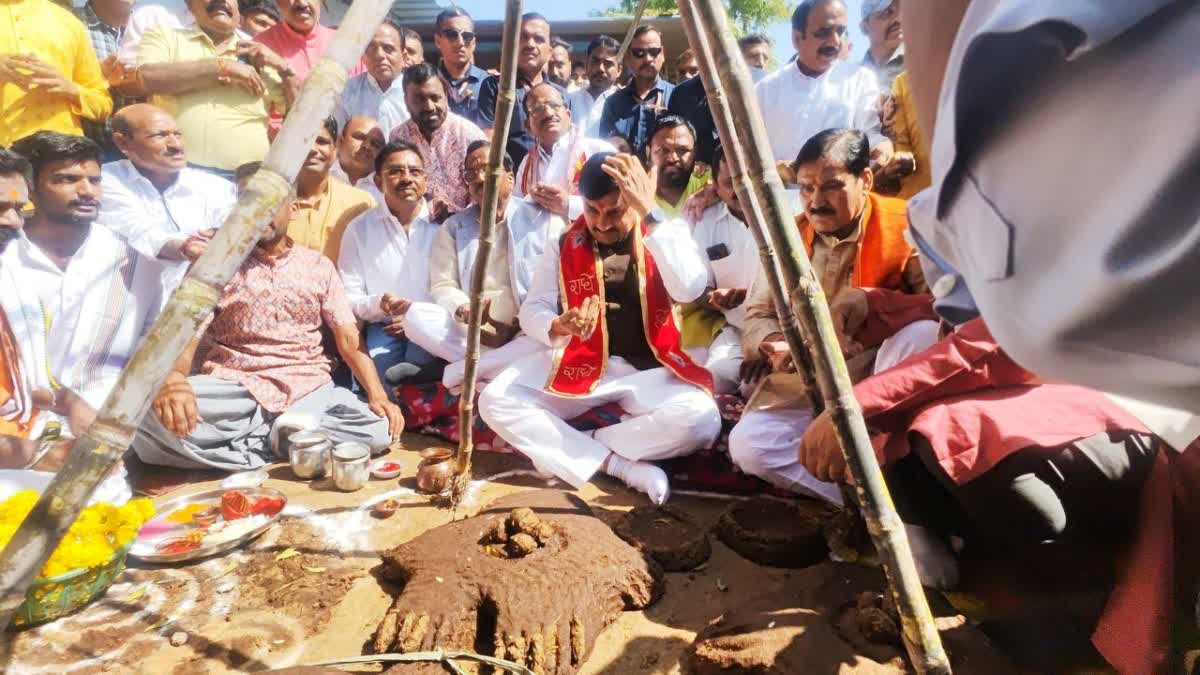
[637, 20]
[506, 98]
[99, 448]
[718, 104]
[887, 531]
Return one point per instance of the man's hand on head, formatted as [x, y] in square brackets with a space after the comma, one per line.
[638, 188]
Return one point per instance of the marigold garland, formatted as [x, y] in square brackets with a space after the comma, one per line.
[101, 530]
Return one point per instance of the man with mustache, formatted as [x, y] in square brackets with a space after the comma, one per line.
[441, 136]
[632, 111]
[885, 53]
[533, 44]
[153, 199]
[454, 37]
[198, 75]
[549, 174]
[602, 302]
[266, 367]
[385, 262]
[672, 152]
[523, 231]
[855, 240]
[602, 72]
[818, 92]
[357, 148]
[258, 15]
[558, 69]
[379, 92]
[324, 206]
[96, 295]
[49, 75]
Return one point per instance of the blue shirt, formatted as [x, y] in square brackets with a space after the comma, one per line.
[631, 117]
[464, 91]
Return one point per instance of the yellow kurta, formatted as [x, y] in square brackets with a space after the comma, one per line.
[43, 29]
[224, 126]
[320, 223]
[910, 138]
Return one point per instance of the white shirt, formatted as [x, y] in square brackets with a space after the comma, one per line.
[148, 219]
[98, 309]
[680, 264]
[366, 183]
[363, 97]
[380, 256]
[796, 107]
[559, 166]
[738, 266]
[581, 101]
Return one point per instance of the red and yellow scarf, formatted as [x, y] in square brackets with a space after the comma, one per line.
[579, 366]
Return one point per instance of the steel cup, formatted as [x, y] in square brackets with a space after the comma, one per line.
[351, 465]
[308, 453]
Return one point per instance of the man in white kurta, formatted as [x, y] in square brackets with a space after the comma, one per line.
[522, 234]
[152, 199]
[818, 91]
[96, 294]
[601, 304]
[379, 92]
[384, 261]
[731, 255]
[549, 174]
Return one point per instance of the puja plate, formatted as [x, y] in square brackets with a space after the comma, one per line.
[159, 530]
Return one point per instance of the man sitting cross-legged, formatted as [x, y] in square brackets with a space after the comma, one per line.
[601, 300]
[266, 365]
[521, 237]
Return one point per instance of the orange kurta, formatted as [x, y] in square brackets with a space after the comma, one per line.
[883, 253]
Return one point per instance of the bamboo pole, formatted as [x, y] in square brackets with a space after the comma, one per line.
[98, 449]
[505, 100]
[637, 20]
[920, 635]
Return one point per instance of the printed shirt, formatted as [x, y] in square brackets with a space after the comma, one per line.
[319, 223]
[379, 255]
[444, 155]
[105, 41]
[224, 126]
[265, 332]
[796, 107]
[363, 97]
[55, 36]
[632, 117]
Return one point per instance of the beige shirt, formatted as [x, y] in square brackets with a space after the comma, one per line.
[833, 263]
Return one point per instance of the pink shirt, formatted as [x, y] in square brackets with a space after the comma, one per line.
[301, 53]
[265, 332]
[444, 155]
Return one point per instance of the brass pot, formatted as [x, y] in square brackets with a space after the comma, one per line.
[436, 470]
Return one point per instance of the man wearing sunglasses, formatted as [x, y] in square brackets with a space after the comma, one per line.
[455, 41]
[632, 112]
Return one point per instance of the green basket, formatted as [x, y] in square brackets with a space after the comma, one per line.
[54, 597]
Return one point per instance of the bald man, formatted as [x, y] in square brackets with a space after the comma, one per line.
[358, 145]
[152, 199]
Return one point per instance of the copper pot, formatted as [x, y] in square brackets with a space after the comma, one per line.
[436, 470]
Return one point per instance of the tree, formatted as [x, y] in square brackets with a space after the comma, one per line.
[749, 15]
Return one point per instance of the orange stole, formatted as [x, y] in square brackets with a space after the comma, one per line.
[882, 251]
[579, 366]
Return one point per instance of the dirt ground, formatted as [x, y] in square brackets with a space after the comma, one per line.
[308, 590]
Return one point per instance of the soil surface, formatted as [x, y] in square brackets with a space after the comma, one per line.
[668, 534]
[311, 590]
[777, 533]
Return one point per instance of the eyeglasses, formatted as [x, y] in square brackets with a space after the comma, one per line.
[477, 172]
[450, 34]
[548, 106]
[639, 53]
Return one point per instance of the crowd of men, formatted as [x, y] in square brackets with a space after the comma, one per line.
[624, 270]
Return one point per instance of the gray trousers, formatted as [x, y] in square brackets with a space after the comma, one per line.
[235, 431]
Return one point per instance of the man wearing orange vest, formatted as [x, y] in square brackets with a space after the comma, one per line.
[602, 301]
[856, 240]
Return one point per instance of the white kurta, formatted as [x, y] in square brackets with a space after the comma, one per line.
[796, 107]
[366, 183]
[558, 166]
[380, 256]
[148, 219]
[363, 97]
[731, 255]
[581, 101]
[667, 417]
[98, 309]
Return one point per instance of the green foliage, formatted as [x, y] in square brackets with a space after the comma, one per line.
[746, 15]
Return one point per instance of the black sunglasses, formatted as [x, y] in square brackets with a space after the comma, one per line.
[450, 34]
[639, 53]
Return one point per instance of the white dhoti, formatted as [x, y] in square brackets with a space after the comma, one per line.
[766, 443]
[724, 360]
[666, 417]
[433, 329]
